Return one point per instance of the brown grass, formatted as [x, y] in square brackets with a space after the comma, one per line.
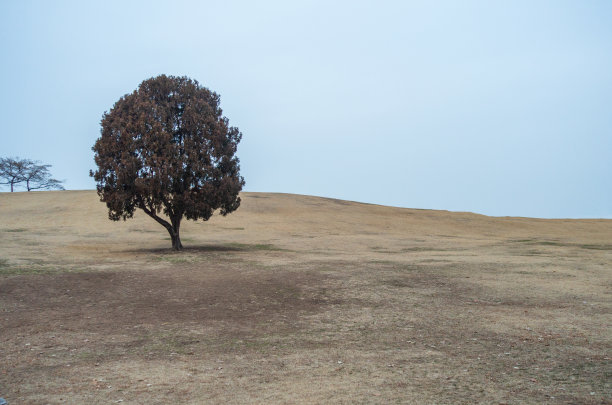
[297, 299]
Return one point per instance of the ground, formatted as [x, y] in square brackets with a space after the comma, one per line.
[299, 299]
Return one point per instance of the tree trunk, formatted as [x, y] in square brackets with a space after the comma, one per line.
[176, 239]
[174, 233]
[173, 227]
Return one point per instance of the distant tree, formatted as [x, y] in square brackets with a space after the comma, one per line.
[37, 177]
[12, 171]
[167, 148]
[15, 171]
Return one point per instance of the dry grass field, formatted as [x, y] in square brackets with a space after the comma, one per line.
[298, 299]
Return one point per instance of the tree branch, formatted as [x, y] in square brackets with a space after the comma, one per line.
[152, 214]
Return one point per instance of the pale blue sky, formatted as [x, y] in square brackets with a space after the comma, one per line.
[495, 107]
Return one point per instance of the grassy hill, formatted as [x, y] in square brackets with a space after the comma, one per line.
[300, 299]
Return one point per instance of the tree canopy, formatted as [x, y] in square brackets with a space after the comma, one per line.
[167, 148]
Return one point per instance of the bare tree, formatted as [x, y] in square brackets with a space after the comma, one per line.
[12, 171]
[37, 177]
[15, 171]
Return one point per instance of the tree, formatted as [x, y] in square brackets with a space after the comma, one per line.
[12, 171]
[37, 177]
[167, 148]
[15, 171]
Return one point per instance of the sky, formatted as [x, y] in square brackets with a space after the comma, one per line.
[496, 107]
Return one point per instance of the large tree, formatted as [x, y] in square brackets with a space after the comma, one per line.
[167, 148]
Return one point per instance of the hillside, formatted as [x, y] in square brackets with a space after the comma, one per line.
[301, 299]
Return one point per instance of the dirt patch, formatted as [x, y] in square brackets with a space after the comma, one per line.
[100, 300]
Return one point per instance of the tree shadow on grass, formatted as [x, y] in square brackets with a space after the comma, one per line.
[227, 247]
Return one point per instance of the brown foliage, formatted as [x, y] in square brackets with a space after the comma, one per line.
[167, 148]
